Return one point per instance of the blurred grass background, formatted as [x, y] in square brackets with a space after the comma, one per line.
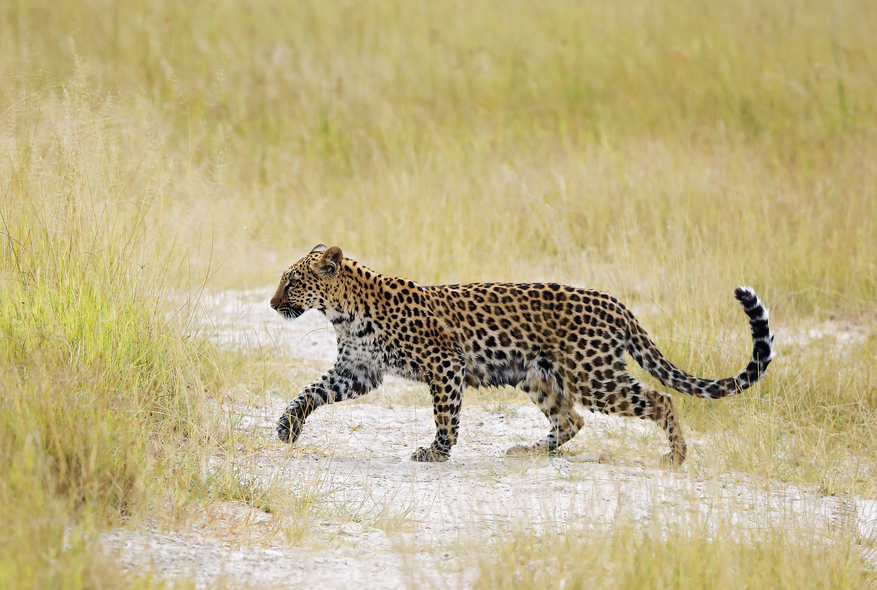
[663, 151]
[458, 142]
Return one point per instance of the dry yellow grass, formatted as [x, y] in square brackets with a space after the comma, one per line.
[665, 152]
[672, 558]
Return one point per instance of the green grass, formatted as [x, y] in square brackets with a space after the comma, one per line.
[665, 152]
[93, 372]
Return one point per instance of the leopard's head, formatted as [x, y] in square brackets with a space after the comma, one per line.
[310, 283]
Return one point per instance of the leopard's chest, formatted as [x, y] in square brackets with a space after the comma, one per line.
[366, 340]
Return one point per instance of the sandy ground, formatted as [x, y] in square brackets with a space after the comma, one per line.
[386, 522]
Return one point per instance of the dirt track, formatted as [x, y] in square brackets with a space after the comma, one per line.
[386, 522]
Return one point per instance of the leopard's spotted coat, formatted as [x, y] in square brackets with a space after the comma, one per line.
[561, 345]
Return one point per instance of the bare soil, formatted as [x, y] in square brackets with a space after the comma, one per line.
[354, 509]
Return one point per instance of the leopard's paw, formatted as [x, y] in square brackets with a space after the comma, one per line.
[672, 460]
[429, 455]
[528, 450]
[289, 427]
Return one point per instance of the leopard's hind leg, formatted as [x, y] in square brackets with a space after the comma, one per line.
[663, 412]
[557, 406]
[625, 396]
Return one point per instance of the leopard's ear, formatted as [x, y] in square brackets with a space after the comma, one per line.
[319, 248]
[329, 264]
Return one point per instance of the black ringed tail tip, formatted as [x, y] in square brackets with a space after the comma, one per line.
[644, 352]
[762, 337]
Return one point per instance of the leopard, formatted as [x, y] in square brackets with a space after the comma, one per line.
[563, 346]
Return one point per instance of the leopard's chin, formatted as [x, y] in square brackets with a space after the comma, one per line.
[290, 313]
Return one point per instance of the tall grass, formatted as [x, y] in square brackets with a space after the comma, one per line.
[675, 142]
[92, 372]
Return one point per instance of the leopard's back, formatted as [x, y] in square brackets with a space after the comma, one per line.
[510, 333]
[563, 346]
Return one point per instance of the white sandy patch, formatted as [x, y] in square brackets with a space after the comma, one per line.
[387, 522]
[244, 320]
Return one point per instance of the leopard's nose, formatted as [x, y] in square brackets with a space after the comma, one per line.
[274, 303]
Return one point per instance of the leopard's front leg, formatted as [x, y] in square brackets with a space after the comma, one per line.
[447, 400]
[342, 382]
[293, 418]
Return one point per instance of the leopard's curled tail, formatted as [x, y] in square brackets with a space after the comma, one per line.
[644, 351]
